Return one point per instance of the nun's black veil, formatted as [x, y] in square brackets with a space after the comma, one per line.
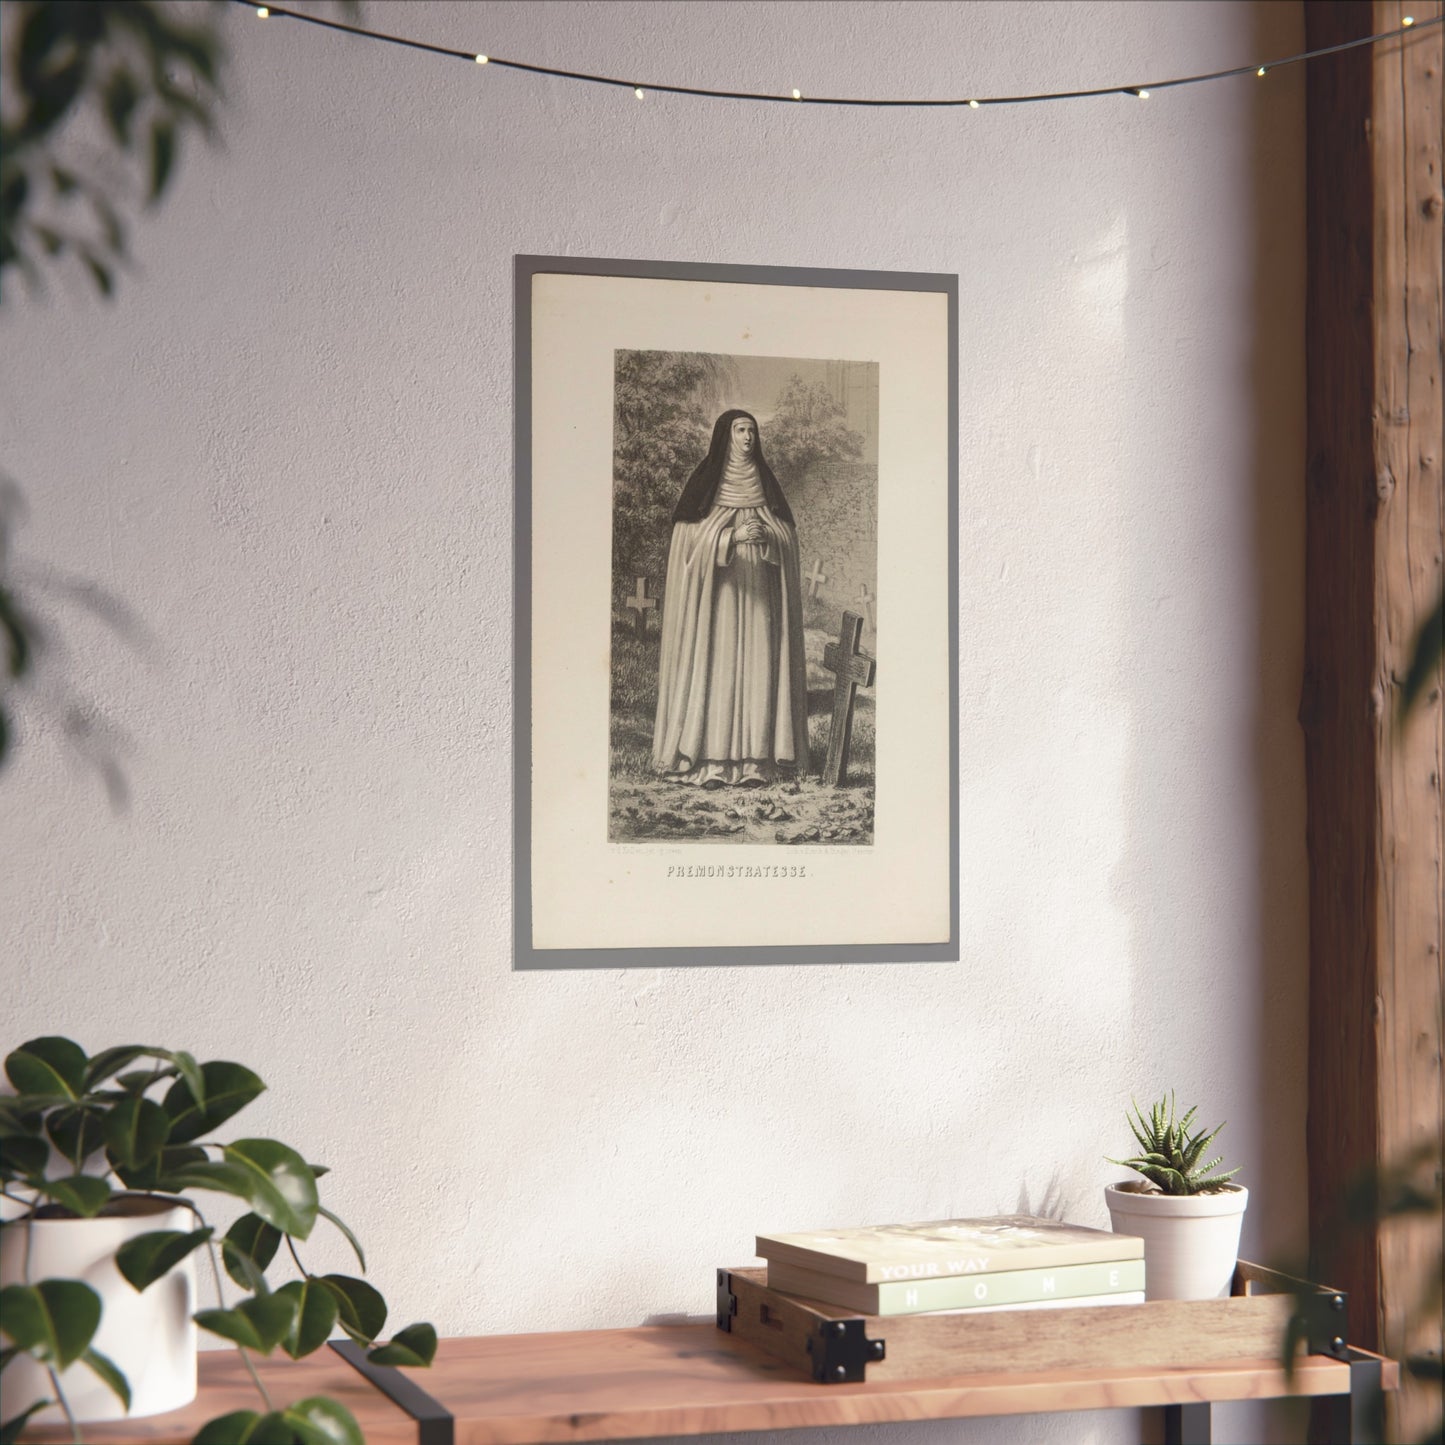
[697, 495]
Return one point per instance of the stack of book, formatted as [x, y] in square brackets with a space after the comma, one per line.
[1013, 1261]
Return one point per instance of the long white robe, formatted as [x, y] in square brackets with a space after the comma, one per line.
[732, 700]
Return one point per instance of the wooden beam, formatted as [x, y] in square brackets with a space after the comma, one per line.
[1374, 544]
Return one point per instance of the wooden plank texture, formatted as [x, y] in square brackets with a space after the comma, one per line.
[225, 1386]
[1374, 549]
[690, 1380]
[696, 1379]
[1157, 1335]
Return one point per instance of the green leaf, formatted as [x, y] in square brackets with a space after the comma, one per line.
[121, 96]
[20, 1157]
[319, 1421]
[55, 1320]
[136, 1130]
[282, 1187]
[245, 1427]
[49, 1065]
[316, 1311]
[11, 1430]
[149, 1257]
[1425, 658]
[248, 1248]
[415, 1345]
[227, 1089]
[163, 156]
[351, 1239]
[111, 1061]
[361, 1309]
[100, 274]
[156, 1174]
[106, 1368]
[76, 1130]
[83, 1194]
[259, 1323]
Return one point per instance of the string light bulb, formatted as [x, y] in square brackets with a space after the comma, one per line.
[638, 92]
[1407, 22]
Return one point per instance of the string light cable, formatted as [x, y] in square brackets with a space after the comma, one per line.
[643, 88]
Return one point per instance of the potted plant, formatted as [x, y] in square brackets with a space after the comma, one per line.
[1187, 1213]
[102, 1231]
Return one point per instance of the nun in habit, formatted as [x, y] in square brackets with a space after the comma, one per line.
[732, 705]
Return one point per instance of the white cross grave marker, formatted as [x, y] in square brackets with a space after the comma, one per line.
[641, 604]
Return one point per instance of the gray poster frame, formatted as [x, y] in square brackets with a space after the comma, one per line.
[525, 956]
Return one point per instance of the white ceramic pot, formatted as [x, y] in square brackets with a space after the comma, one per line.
[150, 1336]
[1191, 1241]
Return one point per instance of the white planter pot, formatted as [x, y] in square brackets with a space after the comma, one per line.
[1191, 1241]
[150, 1336]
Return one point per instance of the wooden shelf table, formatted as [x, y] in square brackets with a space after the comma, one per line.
[693, 1379]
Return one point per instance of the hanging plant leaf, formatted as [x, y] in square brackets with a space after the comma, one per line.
[83, 1194]
[135, 1131]
[259, 1323]
[361, 1309]
[49, 1065]
[11, 1430]
[163, 156]
[316, 1311]
[109, 1372]
[351, 1239]
[20, 1157]
[282, 1188]
[415, 1345]
[245, 1427]
[319, 1421]
[54, 1320]
[248, 1249]
[149, 1257]
[226, 1088]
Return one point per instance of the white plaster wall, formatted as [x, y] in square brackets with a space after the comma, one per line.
[286, 447]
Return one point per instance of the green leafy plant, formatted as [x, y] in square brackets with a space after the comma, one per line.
[1171, 1154]
[82, 1134]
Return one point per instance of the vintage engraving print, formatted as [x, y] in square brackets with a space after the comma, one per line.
[744, 599]
[736, 685]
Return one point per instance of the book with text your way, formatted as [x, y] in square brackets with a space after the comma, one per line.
[964, 1291]
[941, 1248]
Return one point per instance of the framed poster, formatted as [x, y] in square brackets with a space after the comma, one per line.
[736, 615]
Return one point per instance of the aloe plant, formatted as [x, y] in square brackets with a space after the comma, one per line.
[1170, 1153]
[82, 1131]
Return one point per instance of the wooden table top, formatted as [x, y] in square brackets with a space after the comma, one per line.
[688, 1379]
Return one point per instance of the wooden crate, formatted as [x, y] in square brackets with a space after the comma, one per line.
[836, 1345]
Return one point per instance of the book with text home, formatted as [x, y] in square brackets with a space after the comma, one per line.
[962, 1292]
[938, 1248]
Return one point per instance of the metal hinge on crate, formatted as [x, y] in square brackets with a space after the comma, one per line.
[841, 1352]
[1322, 1320]
[727, 1301]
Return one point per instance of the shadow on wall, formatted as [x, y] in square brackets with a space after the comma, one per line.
[1250, 1047]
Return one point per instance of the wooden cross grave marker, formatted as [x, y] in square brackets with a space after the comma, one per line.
[641, 604]
[816, 577]
[852, 669]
